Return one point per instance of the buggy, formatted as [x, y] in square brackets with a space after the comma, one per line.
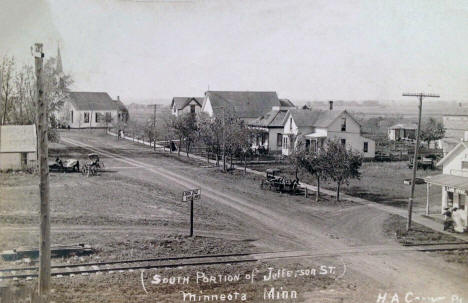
[278, 183]
[423, 163]
[68, 165]
[93, 166]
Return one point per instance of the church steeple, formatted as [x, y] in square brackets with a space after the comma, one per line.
[59, 67]
[59, 70]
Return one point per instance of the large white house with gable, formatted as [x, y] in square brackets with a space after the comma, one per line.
[315, 127]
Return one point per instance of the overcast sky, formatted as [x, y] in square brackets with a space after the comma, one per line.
[304, 49]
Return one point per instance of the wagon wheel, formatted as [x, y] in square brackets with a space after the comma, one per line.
[84, 169]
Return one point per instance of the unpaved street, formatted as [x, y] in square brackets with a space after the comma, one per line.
[279, 224]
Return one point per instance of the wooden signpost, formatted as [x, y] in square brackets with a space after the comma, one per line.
[190, 195]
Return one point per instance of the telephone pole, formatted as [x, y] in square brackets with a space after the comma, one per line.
[42, 125]
[154, 126]
[415, 157]
[224, 139]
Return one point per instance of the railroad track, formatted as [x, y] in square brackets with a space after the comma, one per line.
[120, 266]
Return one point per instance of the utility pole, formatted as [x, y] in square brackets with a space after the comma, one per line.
[415, 157]
[154, 126]
[42, 126]
[191, 216]
[224, 139]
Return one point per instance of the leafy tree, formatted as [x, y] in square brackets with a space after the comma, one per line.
[151, 132]
[7, 66]
[315, 163]
[17, 101]
[296, 158]
[210, 133]
[185, 128]
[432, 130]
[242, 141]
[341, 164]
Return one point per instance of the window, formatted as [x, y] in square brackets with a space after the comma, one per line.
[279, 140]
[86, 117]
[461, 202]
[366, 147]
[343, 125]
[24, 160]
[465, 165]
[449, 199]
[343, 142]
[290, 123]
[192, 109]
[98, 117]
[71, 116]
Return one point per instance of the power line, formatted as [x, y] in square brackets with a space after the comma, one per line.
[415, 158]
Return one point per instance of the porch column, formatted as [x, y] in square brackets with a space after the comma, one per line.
[428, 187]
[444, 199]
[456, 199]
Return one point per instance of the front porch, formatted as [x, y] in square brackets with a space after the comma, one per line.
[454, 197]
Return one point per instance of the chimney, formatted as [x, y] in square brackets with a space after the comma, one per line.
[331, 104]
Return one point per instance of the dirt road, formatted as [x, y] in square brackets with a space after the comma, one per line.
[288, 223]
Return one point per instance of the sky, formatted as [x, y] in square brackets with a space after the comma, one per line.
[302, 49]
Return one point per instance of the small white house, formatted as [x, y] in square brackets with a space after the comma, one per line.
[270, 127]
[92, 110]
[18, 147]
[402, 132]
[182, 105]
[318, 126]
[454, 181]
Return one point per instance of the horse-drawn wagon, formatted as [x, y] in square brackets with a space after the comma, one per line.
[278, 183]
[92, 166]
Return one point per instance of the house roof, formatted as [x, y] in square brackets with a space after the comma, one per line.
[274, 118]
[404, 126]
[182, 102]
[286, 103]
[448, 180]
[93, 101]
[17, 138]
[458, 148]
[304, 117]
[244, 104]
[121, 106]
[321, 119]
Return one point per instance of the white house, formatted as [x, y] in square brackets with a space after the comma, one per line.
[92, 110]
[18, 147]
[402, 132]
[317, 126]
[270, 127]
[454, 181]
[455, 126]
[182, 105]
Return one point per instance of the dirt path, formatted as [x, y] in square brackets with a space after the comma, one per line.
[281, 225]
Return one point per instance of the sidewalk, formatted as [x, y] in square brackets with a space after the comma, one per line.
[417, 217]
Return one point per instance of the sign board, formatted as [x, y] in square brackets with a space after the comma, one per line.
[455, 190]
[194, 194]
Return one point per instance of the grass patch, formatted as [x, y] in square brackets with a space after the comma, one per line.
[395, 227]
